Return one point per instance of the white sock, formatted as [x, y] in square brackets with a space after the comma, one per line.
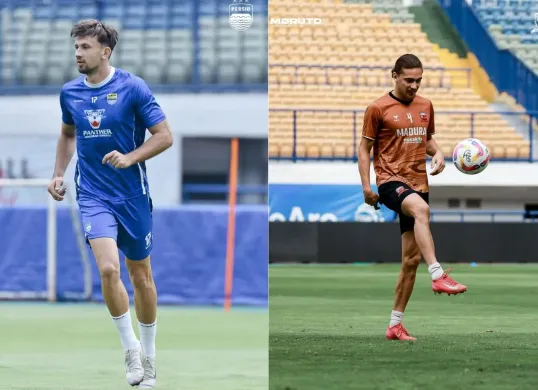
[147, 338]
[396, 317]
[125, 329]
[435, 270]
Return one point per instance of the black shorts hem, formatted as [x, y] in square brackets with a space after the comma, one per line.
[392, 195]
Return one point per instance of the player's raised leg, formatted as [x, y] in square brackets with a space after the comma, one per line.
[145, 297]
[117, 301]
[404, 287]
[414, 206]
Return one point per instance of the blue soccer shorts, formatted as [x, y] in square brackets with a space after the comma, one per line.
[129, 222]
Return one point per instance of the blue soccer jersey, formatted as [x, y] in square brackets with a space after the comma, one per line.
[111, 115]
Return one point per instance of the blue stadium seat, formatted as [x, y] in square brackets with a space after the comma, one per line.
[133, 23]
[136, 10]
[87, 13]
[20, 4]
[180, 23]
[516, 19]
[154, 24]
[208, 7]
[157, 11]
[66, 12]
[182, 8]
[41, 12]
[113, 11]
[159, 22]
[223, 9]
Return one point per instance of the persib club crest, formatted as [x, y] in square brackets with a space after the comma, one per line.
[241, 15]
[94, 117]
[112, 98]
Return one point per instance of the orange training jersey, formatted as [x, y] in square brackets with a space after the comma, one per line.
[400, 131]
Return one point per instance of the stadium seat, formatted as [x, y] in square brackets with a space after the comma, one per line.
[510, 23]
[150, 24]
[309, 83]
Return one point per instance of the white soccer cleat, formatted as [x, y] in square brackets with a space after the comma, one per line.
[150, 373]
[133, 366]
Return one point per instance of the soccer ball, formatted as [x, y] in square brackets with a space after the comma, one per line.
[471, 156]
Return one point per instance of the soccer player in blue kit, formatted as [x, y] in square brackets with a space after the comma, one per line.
[107, 112]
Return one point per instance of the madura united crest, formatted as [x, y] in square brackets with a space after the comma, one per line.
[241, 15]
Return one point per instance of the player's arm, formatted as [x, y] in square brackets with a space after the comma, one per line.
[64, 153]
[160, 140]
[432, 149]
[365, 148]
[149, 111]
[371, 124]
[64, 150]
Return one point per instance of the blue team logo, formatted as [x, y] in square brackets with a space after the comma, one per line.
[241, 15]
[112, 98]
[94, 117]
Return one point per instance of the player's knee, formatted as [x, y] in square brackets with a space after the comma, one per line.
[141, 277]
[109, 271]
[411, 262]
[422, 212]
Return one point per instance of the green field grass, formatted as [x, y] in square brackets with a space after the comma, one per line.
[76, 347]
[327, 330]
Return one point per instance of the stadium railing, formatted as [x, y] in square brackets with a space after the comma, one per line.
[356, 130]
[496, 215]
[359, 70]
[507, 72]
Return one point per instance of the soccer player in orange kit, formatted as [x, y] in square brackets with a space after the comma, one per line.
[400, 127]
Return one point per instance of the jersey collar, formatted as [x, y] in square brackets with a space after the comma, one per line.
[104, 82]
[400, 100]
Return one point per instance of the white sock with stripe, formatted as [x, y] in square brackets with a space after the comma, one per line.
[396, 317]
[435, 270]
[125, 329]
[147, 338]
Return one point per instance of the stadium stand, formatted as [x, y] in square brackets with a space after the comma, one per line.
[157, 41]
[344, 64]
[511, 23]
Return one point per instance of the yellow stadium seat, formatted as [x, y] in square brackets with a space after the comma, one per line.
[353, 35]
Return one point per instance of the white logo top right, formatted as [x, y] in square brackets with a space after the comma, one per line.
[241, 15]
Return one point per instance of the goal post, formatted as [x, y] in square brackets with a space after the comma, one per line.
[16, 186]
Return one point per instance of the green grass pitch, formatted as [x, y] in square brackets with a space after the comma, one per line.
[76, 347]
[327, 329]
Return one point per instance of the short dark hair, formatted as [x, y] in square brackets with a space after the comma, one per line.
[105, 35]
[407, 61]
